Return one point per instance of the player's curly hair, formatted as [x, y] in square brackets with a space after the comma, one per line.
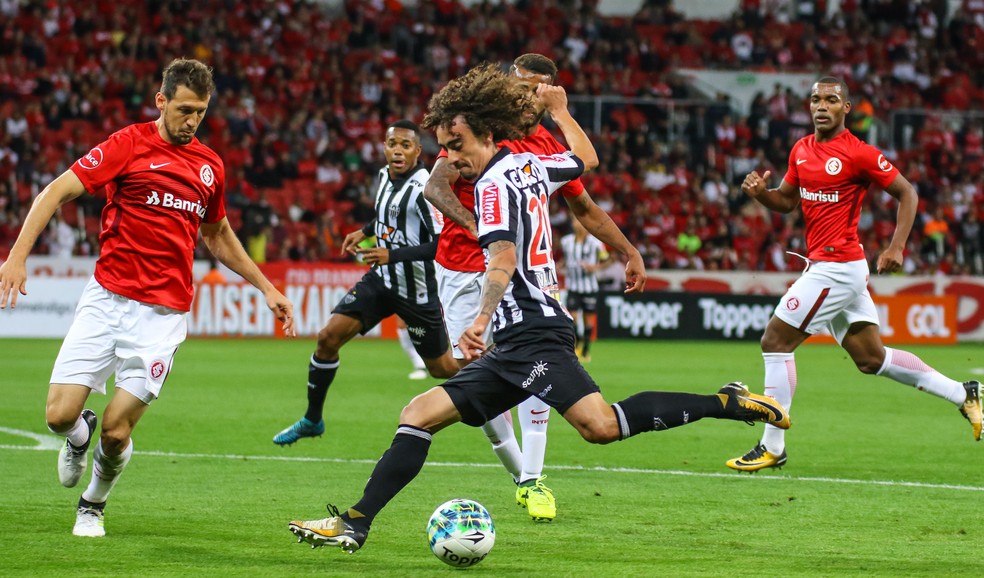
[490, 101]
[194, 74]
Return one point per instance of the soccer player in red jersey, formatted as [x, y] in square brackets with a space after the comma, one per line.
[461, 268]
[828, 175]
[163, 186]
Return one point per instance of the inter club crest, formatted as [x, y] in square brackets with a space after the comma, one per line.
[207, 175]
[157, 370]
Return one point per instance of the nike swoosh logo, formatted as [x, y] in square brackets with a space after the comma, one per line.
[776, 413]
[800, 161]
[153, 166]
[534, 412]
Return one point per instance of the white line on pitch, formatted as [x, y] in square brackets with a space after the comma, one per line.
[44, 445]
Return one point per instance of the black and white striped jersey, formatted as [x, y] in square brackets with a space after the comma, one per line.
[404, 218]
[577, 254]
[511, 200]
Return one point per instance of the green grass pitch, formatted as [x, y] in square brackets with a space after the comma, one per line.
[882, 480]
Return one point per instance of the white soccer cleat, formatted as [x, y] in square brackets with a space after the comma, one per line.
[72, 460]
[89, 523]
[418, 374]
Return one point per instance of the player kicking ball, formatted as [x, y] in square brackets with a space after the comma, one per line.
[534, 335]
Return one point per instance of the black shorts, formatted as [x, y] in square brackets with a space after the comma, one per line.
[543, 364]
[370, 301]
[587, 302]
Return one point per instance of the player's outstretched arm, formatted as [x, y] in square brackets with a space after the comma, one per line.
[13, 273]
[902, 190]
[555, 100]
[222, 242]
[600, 224]
[439, 193]
[783, 199]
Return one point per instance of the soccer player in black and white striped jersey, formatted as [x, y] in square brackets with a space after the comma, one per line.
[583, 257]
[534, 336]
[401, 280]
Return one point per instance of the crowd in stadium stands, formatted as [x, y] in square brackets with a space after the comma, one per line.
[305, 91]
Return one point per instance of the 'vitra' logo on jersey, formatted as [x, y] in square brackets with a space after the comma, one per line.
[170, 201]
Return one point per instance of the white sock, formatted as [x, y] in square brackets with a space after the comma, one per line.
[105, 471]
[78, 434]
[907, 368]
[500, 432]
[534, 416]
[780, 385]
[407, 345]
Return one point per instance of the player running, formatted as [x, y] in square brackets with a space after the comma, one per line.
[828, 174]
[163, 186]
[406, 227]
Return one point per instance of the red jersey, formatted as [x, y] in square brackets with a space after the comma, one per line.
[832, 178]
[157, 195]
[459, 251]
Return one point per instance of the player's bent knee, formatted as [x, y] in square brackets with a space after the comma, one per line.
[868, 366]
[115, 440]
[600, 433]
[329, 342]
[59, 418]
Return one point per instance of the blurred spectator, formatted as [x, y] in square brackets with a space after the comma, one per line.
[972, 243]
[60, 237]
[935, 229]
[689, 244]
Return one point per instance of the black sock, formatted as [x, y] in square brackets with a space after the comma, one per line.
[321, 373]
[659, 410]
[83, 503]
[398, 467]
[586, 340]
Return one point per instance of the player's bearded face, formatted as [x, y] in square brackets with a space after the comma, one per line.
[182, 115]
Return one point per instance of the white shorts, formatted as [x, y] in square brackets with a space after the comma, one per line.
[830, 296]
[460, 293]
[115, 334]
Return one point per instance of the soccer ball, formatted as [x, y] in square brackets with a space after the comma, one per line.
[461, 532]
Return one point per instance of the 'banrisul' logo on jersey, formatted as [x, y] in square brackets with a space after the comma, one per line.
[170, 201]
[819, 196]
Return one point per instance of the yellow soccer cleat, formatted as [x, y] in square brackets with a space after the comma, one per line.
[328, 531]
[757, 459]
[538, 500]
[971, 408]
